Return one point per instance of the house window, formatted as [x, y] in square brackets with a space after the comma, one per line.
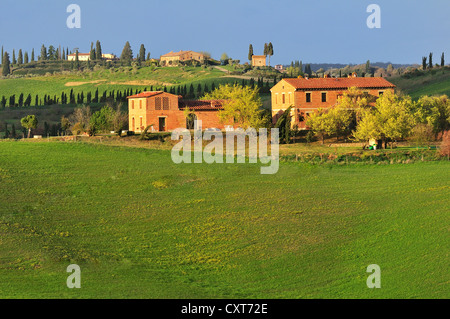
[308, 97]
[324, 97]
[140, 121]
[380, 93]
[140, 104]
[284, 98]
[165, 103]
[132, 124]
[158, 103]
[132, 104]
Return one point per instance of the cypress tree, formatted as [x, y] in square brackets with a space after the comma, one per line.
[77, 61]
[32, 55]
[430, 61]
[92, 55]
[36, 101]
[442, 59]
[25, 58]
[2, 54]
[269, 50]
[43, 53]
[6, 65]
[13, 131]
[142, 53]
[12, 101]
[28, 100]
[14, 61]
[424, 63]
[98, 51]
[127, 54]
[250, 52]
[20, 57]
[21, 99]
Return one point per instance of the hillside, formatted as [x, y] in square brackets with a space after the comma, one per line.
[108, 79]
[418, 83]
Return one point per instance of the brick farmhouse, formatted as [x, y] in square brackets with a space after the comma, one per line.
[166, 112]
[308, 95]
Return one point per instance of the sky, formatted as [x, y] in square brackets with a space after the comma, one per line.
[313, 31]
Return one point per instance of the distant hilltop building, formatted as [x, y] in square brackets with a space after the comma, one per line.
[308, 95]
[258, 60]
[87, 57]
[279, 67]
[172, 58]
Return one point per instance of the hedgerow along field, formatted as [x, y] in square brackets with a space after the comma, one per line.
[140, 226]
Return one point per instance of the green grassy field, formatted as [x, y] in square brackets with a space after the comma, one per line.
[140, 226]
[111, 79]
[434, 82]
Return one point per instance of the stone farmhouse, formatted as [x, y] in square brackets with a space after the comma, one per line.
[167, 112]
[172, 58]
[308, 95]
[258, 60]
[87, 57]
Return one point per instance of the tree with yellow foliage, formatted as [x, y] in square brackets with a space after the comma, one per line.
[391, 119]
[241, 104]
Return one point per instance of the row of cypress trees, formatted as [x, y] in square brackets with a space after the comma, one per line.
[187, 91]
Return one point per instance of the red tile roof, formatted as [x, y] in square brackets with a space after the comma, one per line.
[145, 94]
[339, 83]
[206, 105]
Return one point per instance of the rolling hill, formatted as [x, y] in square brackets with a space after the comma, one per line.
[431, 82]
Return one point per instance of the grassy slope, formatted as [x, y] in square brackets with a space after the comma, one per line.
[435, 82]
[114, 79]
[120, 79]
[141, 226]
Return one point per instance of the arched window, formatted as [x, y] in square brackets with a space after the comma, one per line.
[133, 124]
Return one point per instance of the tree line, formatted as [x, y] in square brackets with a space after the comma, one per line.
[187, 91]
[428, 64]
[390, 118]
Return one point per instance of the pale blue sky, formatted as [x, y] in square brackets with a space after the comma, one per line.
[308, 30]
